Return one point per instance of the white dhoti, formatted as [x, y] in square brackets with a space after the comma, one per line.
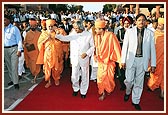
[21, 68]
[94, 68]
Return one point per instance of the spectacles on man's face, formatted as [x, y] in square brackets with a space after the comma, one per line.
[50, 26]
[76, 28]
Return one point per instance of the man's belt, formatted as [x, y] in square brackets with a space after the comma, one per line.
[138, 56]
[10, 46]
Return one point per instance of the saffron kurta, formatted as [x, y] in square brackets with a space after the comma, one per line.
[108, 52]
[50, 55]
[31, 56]
[156, 79]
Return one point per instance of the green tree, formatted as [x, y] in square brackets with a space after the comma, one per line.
[75, 8]
[58, 7]
[109, 7]
[65, 7]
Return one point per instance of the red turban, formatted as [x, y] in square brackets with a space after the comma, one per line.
[128, 18]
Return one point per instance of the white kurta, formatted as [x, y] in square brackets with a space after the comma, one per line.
[80, 43]
[94, 64]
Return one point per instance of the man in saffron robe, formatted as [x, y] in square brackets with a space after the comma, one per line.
[108, 52]
[66, 45]
[31, 50]
[156, 79]
[43, 25]
[51, 54]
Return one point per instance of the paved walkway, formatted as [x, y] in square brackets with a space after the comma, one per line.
[11, 97]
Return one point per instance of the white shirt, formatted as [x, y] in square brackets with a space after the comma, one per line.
[80, 43]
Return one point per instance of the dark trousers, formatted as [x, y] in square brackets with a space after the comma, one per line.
[120, 73]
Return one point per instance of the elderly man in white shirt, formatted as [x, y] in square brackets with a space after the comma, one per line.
[81, 49]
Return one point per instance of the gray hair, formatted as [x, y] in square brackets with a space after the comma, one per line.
[80, 25]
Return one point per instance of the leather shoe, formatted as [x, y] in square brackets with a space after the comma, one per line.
[95, 80]
[126, 97]
[149, 90]
[137, 106]
[16, 86]
[83, 96]
[161, 97]
[20, 77]
[75, 93]
[123, 88]
[10, 83]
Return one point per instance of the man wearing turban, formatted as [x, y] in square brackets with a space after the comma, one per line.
[138, 51]
[156, 79]
[51, 54]
[31, 50]
[108, 52]
[126, 22]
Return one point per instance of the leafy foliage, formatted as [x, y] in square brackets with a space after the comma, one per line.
[109, 7]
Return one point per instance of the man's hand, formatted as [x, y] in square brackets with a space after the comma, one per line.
[95, 58]
[83, 55]
[54, 28]
[18, 53]
[152, 69]
[123, 65]
[57, 32]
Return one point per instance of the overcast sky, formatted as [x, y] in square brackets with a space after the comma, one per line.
[93, 7]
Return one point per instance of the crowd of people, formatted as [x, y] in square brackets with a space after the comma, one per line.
[108, 45]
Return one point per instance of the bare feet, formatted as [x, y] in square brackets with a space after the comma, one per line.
[34, 80]
[108, 94]
[57, 82]
[102, 97]
[48, 85]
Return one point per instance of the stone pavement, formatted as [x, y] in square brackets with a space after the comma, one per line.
[11, 97]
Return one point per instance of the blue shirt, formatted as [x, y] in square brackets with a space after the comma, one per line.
[12, 36]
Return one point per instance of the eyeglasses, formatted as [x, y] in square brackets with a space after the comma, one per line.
[76, 28]
[50, 26]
